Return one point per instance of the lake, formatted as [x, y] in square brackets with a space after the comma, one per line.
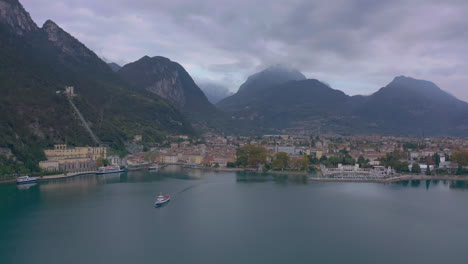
[225, 217]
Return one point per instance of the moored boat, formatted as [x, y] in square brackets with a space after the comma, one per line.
[162, 200]
[25, 180]
[109, 169]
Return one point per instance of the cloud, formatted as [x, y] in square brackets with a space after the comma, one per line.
[357, 46]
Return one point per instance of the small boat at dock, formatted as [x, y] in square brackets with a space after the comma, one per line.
[162, 200]
[25, 180]
[109, 169]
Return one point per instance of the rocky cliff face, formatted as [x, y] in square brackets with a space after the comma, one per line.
[13, 14]
[167, 83]
[64, 41]
[169, 80]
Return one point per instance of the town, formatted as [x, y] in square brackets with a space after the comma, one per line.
[330, 155]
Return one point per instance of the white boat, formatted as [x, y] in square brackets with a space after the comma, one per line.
[109, 169]
[25, 180]
[162, 200]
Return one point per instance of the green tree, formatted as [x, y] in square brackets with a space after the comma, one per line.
[394, 160]
[281, 160]
[428, 170]
[363, 162]
[305, 162]
[416, 168]
[102, 162]
[313, 159]
[323, 159]
[436, 159]
[251, 155]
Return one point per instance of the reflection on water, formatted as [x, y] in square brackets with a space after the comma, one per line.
[85, 184]
[429, 184]
[251, 177]
[458, 185]
[26, 186]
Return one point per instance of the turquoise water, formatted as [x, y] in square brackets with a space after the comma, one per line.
[232, 218]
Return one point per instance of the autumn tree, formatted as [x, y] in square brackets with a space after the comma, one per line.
[281, 160]
[460, 157]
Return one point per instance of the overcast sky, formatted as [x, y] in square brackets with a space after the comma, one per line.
[356, 46]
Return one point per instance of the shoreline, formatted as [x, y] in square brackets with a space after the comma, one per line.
[404, 177]
[54, 177]
[63, 176]
[395, 179]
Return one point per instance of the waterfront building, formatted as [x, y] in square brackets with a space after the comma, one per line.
[194, 159]
[77, 159]
[170, 159]
[114, 160]
[289, 150]
[63, 152]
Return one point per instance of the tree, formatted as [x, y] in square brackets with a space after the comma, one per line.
[251, 155]
[363, 162]
[313, 159]
[102, 162]
[393, 160]
[430, 160]
[323, 159]
[460, 158]
[436, 159]
[416, 168]
[281, 160]
[231, 165]
[460, 170]
[305, 162]
[428, 170]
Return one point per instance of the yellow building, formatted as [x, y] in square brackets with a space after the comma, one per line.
[194, 159]
[63, 152]
[49, 165]
[76, 159]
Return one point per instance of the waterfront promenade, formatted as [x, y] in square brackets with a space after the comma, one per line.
[54, 177]
[394, 179]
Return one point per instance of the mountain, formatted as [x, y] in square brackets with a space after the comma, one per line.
[13, 15]
[214, 92]
[405, 106]
[411, 106]
[298, 105]
[257, 83]
[114, 66]
[168, 79]
[35, 66]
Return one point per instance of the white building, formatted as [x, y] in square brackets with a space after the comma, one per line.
[114, 160]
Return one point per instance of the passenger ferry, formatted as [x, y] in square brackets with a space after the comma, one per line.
[26, 180]
[162, 200]
[109, 169]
